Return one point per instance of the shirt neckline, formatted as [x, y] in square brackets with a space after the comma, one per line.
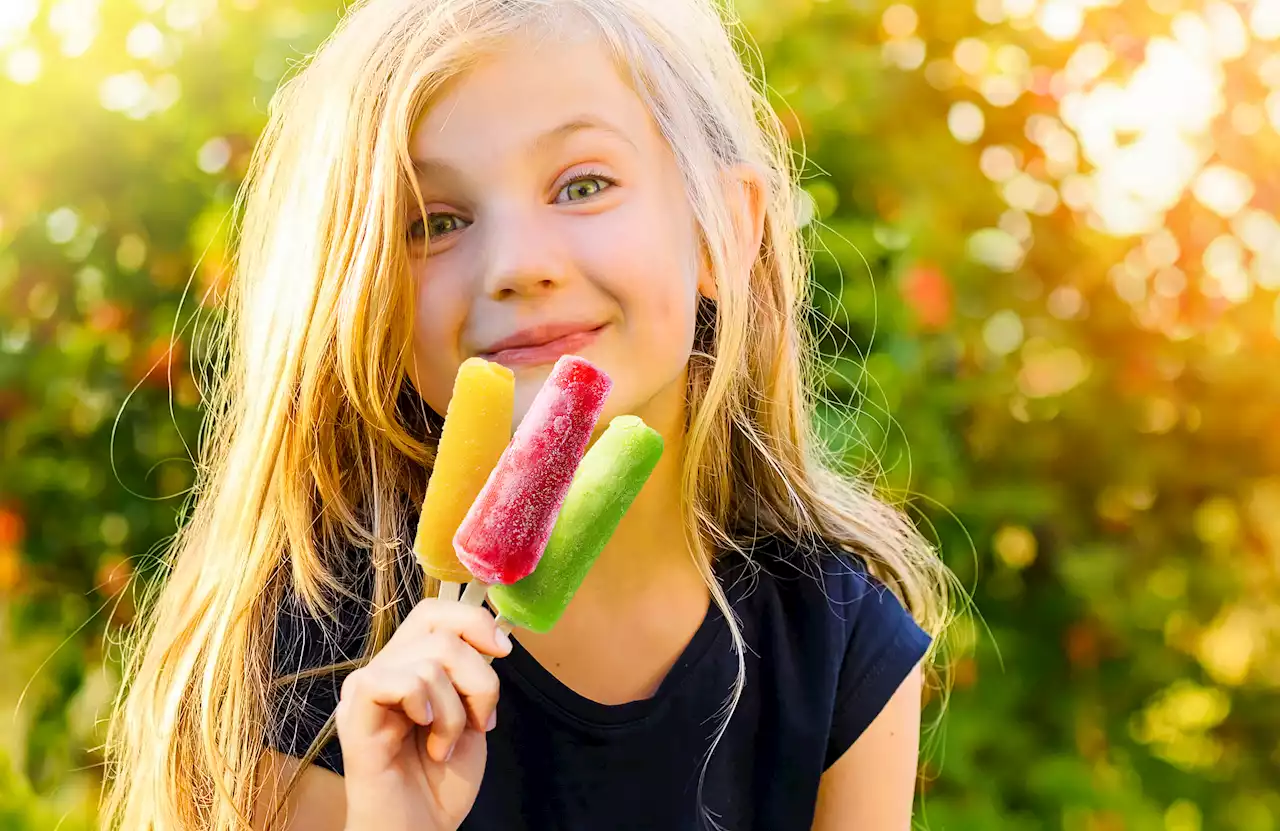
[577, 709]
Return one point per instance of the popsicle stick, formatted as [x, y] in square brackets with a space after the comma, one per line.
[475, 593]
[505, 626]
[448, 590]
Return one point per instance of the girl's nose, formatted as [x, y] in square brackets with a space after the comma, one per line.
[524, 256]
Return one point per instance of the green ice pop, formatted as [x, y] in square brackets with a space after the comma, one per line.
[604, 486]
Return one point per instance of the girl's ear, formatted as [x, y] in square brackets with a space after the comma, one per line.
[746, 195]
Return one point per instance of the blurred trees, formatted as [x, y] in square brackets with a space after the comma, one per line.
[1047, 268]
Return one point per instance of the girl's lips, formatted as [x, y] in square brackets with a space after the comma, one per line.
[545, 353]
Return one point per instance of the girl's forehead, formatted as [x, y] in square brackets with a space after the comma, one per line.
[528, 94]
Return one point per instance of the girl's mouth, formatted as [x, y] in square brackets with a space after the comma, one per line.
[543, 344]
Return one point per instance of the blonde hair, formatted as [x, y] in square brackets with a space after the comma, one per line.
[316, 444]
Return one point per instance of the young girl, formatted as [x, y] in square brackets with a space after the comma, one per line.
[517, 180]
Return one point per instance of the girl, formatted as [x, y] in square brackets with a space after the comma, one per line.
[520, 179]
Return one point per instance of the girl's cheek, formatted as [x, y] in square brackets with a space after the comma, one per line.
[440, 301]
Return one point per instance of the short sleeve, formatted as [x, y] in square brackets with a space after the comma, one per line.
[300, 707]
[884, 645]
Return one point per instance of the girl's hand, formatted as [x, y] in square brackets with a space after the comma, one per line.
[412, 722]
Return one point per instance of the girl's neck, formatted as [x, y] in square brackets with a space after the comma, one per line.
[652, 541]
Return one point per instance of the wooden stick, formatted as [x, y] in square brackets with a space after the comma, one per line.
[448, 590]
[475, 593]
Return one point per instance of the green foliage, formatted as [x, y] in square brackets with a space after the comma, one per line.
[1078, 405]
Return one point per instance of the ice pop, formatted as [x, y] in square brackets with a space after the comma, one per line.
[506, 530]
[476, 430]
[607, 481]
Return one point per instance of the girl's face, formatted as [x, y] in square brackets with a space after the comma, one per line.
[557, 223]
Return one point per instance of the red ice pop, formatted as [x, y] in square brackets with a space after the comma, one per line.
[502, 537]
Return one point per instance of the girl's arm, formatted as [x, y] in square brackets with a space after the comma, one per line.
[871, 787]
[318, 803]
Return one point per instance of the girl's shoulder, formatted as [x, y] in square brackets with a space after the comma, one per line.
[812, 580]
[839, 631]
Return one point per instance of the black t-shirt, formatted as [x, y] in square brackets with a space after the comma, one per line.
[825, 651]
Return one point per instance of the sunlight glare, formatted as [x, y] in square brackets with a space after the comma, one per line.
[1264, 20]
[1226, 30]
[1088, 62]
[1161, 249]
[1273, 110]
[24, 65]
[1012, 59]
[1144, 139]
[1223, 190]
[1258, 230]
[1173, 90]
[1269, 71]
[1077, 192]
[1116, 211]
[1061, 19]
[971, 55]
[1191, 31]
[1224, 263]
[1019, 8]
[998, 163]
[1000, 90]
[144, 41]
[1266, 269]
[76, 21]
[966, 122]
[16, 17]
[899, 21]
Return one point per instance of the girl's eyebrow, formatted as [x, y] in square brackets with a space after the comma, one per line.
[427, 167]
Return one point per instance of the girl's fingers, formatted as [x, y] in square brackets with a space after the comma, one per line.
[449, 716]
[472, 677]
[433, 671]
[402, 689]
[368, 692]
[473, 624]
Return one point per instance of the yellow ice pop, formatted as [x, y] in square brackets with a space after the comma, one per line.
[477, 428]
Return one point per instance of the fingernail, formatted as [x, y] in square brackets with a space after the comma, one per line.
[449, 753]
[493, 721]
[431, 716]
[502, 639]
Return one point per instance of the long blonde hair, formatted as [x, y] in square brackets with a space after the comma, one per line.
[316, 444]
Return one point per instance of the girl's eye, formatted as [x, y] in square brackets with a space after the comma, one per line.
[582, 188]
[436, 225]
[441, 224]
